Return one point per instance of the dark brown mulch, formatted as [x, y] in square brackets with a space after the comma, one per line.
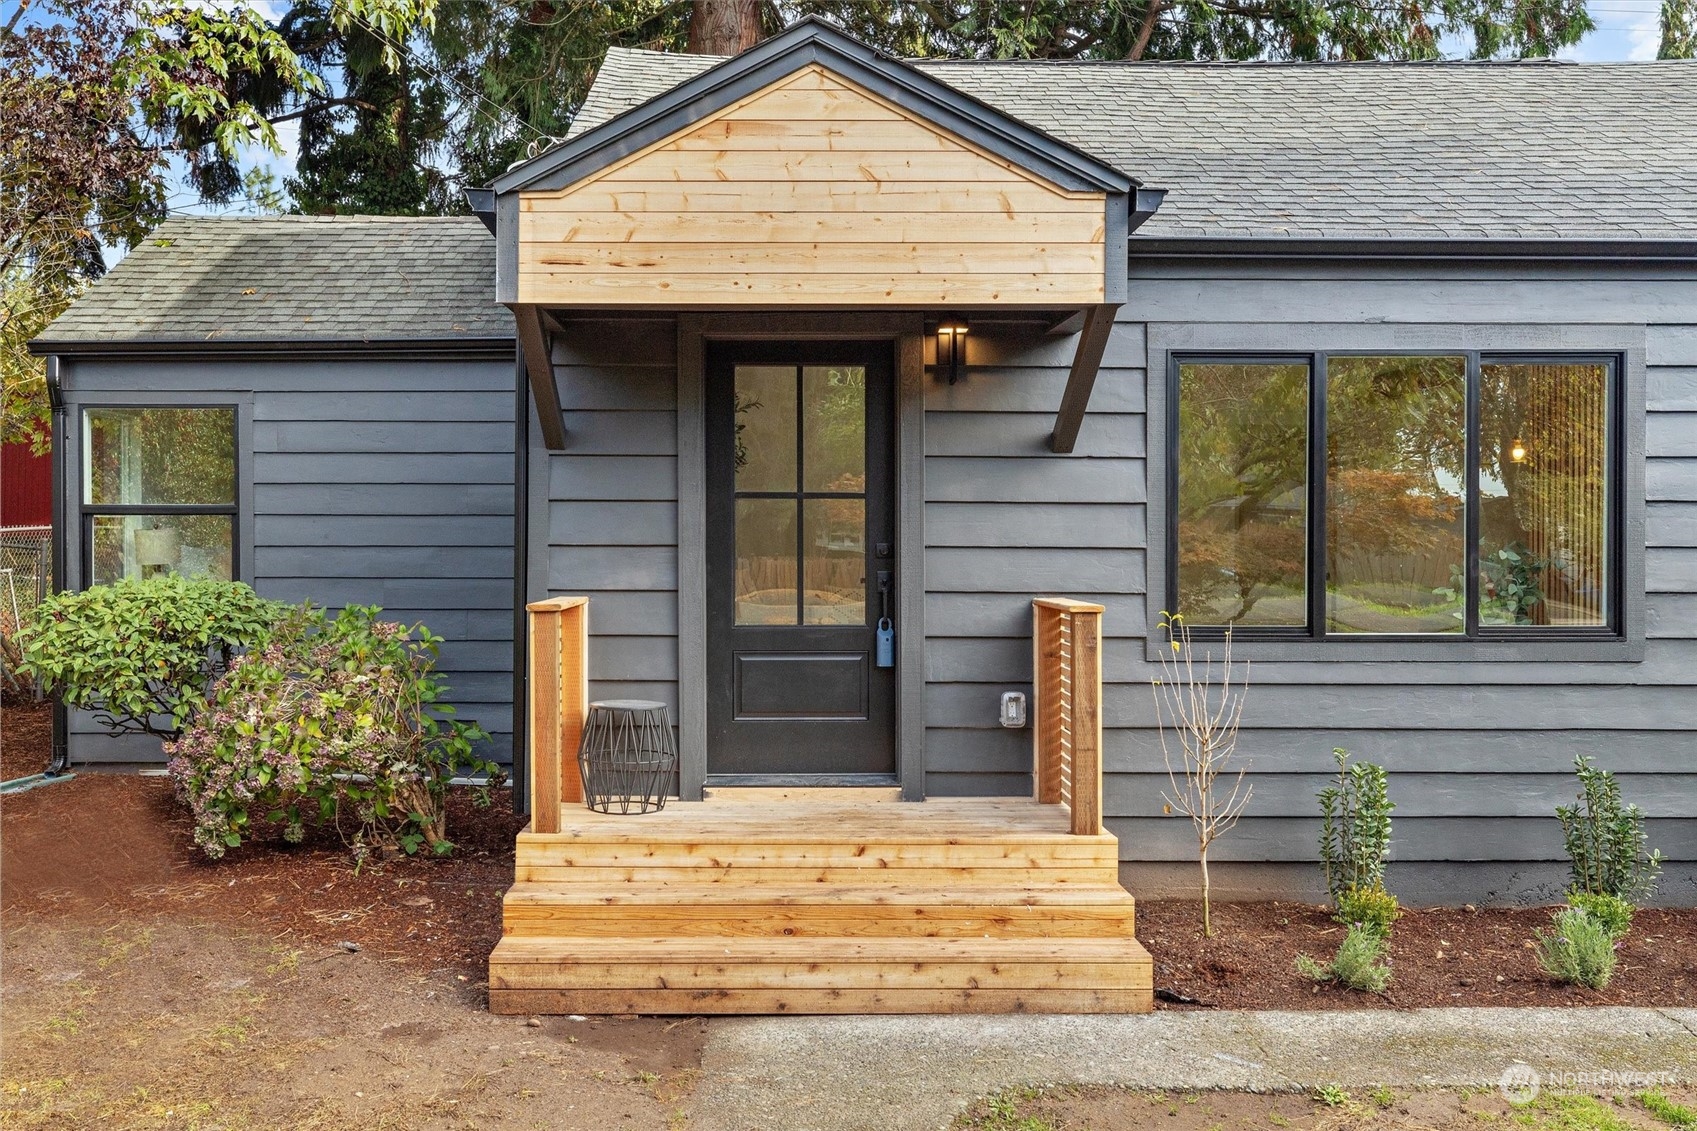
[26, 737]
[109, 843]
[1439, 956]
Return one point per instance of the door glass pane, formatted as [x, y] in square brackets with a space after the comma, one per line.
[1396, 542]
[145, 545]
[833, 399]
[1543, 494]
[765, 428]
[766, 557]
[139, 456]
[835, 561]
[1243, 493]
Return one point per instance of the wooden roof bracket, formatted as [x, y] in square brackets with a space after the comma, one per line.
[1095, 324]
[1086, 362]
[536, 345]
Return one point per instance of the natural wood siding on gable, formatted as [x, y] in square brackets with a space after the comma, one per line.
[812, 191]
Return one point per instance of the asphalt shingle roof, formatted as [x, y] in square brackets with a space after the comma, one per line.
[1457, 150]
[317, 278]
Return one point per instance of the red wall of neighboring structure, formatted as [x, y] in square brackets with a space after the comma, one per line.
[26, 487]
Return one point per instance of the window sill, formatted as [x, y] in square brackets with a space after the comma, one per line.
[1598, 650]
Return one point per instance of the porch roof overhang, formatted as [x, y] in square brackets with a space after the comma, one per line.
[814, 172]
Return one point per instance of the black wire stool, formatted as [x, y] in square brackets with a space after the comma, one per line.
[627, 756]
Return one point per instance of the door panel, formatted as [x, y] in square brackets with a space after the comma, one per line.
[800, 528]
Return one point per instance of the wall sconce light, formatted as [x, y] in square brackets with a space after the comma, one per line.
[1517, 450]
[951, 346]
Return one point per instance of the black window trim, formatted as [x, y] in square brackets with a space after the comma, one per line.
[1314, 578]
[87, 512]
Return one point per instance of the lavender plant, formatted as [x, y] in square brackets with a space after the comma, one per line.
[338, 722]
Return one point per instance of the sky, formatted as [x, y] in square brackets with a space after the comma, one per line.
[1626, 30]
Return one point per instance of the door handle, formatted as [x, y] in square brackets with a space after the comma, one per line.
[885, 636]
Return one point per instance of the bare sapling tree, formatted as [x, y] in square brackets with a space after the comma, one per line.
[1201, 705]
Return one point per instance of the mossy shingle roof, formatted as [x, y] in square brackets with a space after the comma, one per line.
[283, 278]
[1452, 150]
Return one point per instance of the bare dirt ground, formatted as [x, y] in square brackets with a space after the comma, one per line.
[146, 987]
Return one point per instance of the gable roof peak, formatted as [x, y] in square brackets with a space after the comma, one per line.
[811, 41]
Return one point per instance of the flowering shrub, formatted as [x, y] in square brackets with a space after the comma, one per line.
[143, 655]
[336, 721]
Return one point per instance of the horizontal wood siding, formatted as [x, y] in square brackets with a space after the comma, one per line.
[604, 510]
[1480, 750]
[374, 481]
[1007, 520]
[811, 192]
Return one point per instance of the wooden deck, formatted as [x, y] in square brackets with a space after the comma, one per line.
[949, 905]
[823, 901]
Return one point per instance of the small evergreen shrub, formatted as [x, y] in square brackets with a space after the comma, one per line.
[1605, 839]
[1372, 908]
[143, 655]
[335, 721]
[1579, 950]
[1360, 963]
[1614, 914]
[1355, 827]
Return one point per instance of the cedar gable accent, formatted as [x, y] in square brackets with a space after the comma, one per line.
[811, 191]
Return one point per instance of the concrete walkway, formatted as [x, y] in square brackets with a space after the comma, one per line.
[918, 1073]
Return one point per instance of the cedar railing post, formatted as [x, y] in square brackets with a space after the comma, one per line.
[1066, 717]
[559, 697]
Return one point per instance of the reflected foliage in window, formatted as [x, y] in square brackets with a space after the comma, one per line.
[1243, 493]
[1396, 464]
[160, 456]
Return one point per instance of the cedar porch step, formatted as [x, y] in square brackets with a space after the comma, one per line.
[819, 975]
[684, 909]
[1000, 842]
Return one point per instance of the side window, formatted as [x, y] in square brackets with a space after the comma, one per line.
[158, 492]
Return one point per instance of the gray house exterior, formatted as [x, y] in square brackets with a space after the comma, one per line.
[402, 442]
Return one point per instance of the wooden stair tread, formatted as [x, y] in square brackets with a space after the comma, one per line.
[642, 952]
[794, 1000]
[784, 894]
[942, 821]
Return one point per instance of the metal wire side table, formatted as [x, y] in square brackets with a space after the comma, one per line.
[627, 756]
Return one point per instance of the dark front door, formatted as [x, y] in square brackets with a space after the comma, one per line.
[800, 560]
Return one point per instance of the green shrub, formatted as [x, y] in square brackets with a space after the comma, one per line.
[143, 655]
[338, 722]
[1605, 839]
[1360, 962]
[1614, 914]
[1355, 827]
[1580, 949]
[1373, 908]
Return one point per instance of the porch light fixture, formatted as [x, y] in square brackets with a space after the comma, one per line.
[1517, 450]
[951, 346]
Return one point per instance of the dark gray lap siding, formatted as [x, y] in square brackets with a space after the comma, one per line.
[604, 510]
[1480, 752]
[383, 481]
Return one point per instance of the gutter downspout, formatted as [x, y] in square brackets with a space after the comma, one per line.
[60, 762]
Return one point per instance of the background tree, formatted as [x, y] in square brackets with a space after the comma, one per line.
[1679, 30]
[98, 98]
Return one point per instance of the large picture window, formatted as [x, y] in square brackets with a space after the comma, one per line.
[1435, 496]
[158, 492]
